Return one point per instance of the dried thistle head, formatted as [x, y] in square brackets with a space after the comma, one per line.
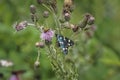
[21, 25]
[68, 3]
[68, 6]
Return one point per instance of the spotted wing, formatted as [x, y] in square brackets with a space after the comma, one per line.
[64, 43]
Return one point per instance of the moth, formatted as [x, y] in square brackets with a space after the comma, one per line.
[64, 43]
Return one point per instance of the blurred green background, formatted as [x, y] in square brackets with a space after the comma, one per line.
[20, 47]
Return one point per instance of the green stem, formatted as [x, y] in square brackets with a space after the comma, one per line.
[56, 61]
[47, 8]
[56, 21]
[55, 17]
[38, 55]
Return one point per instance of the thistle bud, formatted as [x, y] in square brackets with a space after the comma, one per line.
[83, 23]
[32, 9]
[45, 14]
[37, 64]
[39, 44]
[91, 20]
[21, 25]
[67, 2]
[68, 6]
[67, 16]
[74, 27]
[39, 1]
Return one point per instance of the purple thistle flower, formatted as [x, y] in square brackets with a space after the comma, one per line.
[47, 35]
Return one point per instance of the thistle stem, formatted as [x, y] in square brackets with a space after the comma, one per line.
[55, 17]
[56, 61]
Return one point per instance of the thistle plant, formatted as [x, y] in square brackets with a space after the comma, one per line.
[62, 40]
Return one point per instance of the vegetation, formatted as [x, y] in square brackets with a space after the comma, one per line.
[95, 54]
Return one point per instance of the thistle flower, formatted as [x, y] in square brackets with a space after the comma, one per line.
[21, 25]
[47, 35]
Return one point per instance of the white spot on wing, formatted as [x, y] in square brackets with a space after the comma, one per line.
[60, 37]
[69, 44]
[61, 42]
[69, 40]
[63, 49]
